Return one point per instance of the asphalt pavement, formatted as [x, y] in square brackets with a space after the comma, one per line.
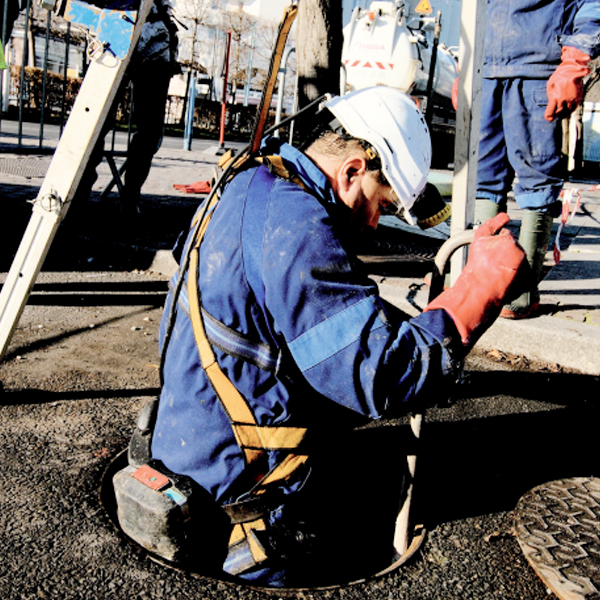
[82, 364]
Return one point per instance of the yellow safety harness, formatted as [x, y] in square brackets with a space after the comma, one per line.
[254, 440]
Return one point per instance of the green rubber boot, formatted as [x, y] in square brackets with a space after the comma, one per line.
[484, 211]
[533, 237]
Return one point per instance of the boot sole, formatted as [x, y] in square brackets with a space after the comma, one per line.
[507, 313]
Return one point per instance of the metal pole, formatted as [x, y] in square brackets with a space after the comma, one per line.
[24, 62]
[65, 82]
[294, 109]
[224, 99]
[45, 78]
[281, 88]
[189, 118]
[468, 113]
[432, 66]
[249, 74]
[213, 66]
[129, 115]
[4, 19]
[464, 187]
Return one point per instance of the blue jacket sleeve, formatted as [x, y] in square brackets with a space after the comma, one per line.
[586, 28]
[336, 326]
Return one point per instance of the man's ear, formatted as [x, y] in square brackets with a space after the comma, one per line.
[350, 171]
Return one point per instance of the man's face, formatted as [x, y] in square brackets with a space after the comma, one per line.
[366, 200]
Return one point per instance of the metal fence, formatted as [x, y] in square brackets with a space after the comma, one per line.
[46, 64]
[39, 84]
[47, 60]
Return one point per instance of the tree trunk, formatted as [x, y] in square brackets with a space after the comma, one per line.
[319, 50]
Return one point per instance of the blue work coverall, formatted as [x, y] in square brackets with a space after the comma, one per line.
[274, 265]
[523, 45]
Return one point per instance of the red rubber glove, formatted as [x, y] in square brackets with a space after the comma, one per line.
[495, 269]
[565, 87]
[454, 94]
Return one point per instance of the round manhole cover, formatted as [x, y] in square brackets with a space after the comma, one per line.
[558, 528]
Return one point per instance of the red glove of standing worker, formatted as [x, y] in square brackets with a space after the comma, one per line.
[565, 88]
[454, 94]
[495, 269]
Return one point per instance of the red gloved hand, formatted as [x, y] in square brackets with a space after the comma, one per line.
[454, 94]
[495, 269]
[565, 88]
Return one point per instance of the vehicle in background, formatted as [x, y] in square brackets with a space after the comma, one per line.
[394, 44]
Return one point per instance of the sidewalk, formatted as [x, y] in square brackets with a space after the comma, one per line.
[567, 333]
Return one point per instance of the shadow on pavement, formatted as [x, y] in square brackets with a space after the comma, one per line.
[33, 346]
[466, 467]
[100, 234]
[481, 466]
[37, 396]
[105, 293]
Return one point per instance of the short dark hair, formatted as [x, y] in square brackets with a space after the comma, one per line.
[324, 140]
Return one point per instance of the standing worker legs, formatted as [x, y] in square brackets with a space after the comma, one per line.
[534, 145]
[534, 149]
[149, 101]
[494, 171]
[517, 140]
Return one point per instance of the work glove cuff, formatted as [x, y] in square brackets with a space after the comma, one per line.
[497, 270]
[565, 87]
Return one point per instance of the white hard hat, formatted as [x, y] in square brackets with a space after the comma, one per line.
[392, 124]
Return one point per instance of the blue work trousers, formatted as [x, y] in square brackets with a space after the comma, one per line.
[516, 140]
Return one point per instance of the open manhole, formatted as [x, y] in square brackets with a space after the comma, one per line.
[349, 566]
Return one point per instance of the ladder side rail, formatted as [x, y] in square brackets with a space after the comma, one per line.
[69, 161]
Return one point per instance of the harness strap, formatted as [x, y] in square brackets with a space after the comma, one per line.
[207, 216]
[265, 100]
[253, 439]
[229, 340]
[245, 551]
[276, 166]
[236, 344]
[234, 404]
[282, 471]
[270, 438]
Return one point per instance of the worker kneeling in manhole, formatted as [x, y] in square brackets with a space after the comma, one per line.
[274, 340]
